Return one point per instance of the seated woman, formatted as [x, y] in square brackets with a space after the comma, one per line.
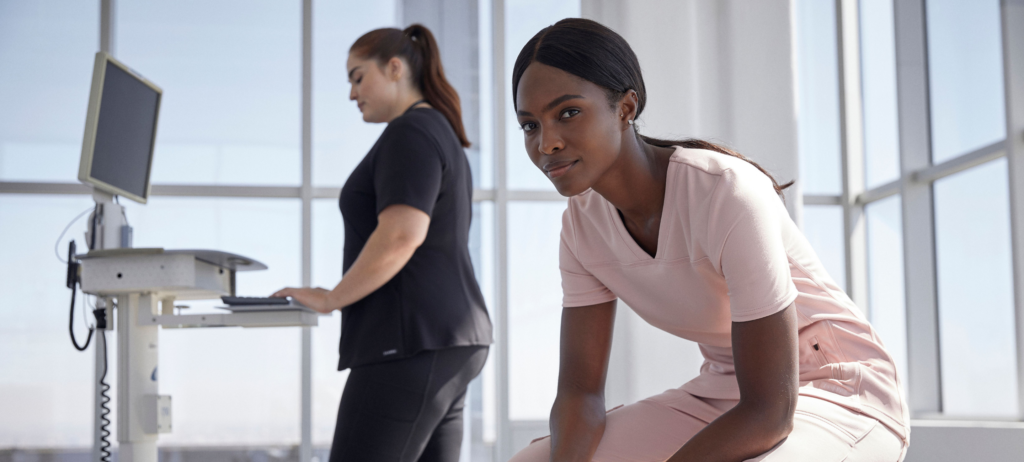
[695, 239]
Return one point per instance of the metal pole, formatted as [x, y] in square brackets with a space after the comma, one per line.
[107, 29]
[1013, 70]
[503, 445]
[306, 418]
[100, 354]
[924, 388]
[852, 131]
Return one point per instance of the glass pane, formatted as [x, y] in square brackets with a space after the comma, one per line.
[885, 278]
[340, 137]
[965, 64]
[230, 386]
[45, 385]
[818, 97]
[481, 249]
[523, 19]
[47, 49]
[823, 227]
[878, 82]
[483, 175]
[535, 307]
[328, 382]
[975, 288]
[480, 416]
[231, 77]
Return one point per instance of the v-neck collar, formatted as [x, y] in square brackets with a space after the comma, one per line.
[638, 251]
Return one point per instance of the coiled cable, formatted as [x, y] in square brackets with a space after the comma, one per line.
[104, 401]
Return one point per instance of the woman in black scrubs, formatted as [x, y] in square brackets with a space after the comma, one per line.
[415, 330]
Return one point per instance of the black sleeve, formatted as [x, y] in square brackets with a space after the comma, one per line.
[407, 168]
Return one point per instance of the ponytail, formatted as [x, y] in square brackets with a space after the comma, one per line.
[693, 143]
[417, 46]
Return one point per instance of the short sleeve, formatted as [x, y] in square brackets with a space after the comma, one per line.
[745, 229]
[407, 168]
[579, 286]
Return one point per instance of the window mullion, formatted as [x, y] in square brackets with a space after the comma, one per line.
[1013, 67]
[925, 387]
[852, 133]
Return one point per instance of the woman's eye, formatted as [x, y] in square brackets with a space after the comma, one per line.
[569, 113]
[528, 126]
[359, 80]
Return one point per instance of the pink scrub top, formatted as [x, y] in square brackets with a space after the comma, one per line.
[729, 252]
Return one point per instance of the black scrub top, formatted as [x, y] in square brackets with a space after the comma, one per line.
[434, 302]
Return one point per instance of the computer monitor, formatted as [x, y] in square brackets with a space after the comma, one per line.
[120, 130]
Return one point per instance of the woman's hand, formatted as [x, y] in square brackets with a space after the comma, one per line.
[314, 298]
[767, 372]
[401, 229]
[578, 414]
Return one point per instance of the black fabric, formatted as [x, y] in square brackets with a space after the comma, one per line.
[406, 410]
[434, 301]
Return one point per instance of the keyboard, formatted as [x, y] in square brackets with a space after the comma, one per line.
[254, 301]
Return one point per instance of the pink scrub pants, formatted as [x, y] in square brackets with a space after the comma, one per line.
[655, 428]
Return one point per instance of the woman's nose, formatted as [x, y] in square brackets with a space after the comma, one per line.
[550, 142]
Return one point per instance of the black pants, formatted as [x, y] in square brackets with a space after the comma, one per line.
[408, 409]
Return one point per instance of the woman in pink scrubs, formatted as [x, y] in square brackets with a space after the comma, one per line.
[696, 240]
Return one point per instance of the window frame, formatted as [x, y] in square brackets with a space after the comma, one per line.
[917, 175]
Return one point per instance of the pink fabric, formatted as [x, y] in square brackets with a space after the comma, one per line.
[653, 429]
[728, 252]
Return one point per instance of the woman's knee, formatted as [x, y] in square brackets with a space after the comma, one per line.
[539, 451]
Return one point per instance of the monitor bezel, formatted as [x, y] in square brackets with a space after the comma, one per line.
[92, 122]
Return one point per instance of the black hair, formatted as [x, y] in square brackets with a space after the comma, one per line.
[595, 53]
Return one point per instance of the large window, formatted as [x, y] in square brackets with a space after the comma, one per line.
[230, 112]
[818, 134]
[925, 188]
[227, 175]
[47, 49]
[975, 281]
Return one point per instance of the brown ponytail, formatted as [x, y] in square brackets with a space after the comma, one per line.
[417, 46]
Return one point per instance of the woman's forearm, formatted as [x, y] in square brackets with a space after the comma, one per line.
[381, 259]
[577, 424]
[741, 433]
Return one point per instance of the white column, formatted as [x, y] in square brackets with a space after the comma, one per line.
[306, 339]
[503, 444]
[137, 375]
[924, 389]
[1013, 67]
[852, 131]
[101, 358]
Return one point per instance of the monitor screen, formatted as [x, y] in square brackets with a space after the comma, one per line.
[120, 131]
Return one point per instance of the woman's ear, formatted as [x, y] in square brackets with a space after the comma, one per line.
[628, 106]
[394, 69]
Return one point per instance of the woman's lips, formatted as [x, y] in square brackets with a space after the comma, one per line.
[557, 169]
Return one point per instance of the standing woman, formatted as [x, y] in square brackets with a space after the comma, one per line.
[415, 330]
[695, 239]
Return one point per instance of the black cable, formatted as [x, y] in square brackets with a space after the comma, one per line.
[71, 325]
[92, 229]
[104, 400]
[72, 283]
